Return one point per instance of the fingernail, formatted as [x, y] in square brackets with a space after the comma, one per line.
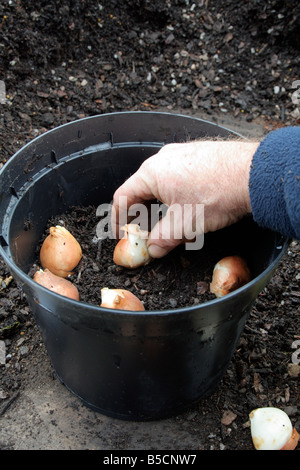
[157, 251]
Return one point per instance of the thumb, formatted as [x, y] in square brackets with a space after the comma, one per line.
[159, 248]
[167, 234]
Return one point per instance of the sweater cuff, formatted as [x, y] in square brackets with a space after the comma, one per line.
[274, 182]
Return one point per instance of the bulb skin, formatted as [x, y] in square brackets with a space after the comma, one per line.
[131, 251]
[60, 252]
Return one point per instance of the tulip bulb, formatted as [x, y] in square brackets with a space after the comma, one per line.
[56, 283]
[229, 274]
[271, 429]
[60, 252]
[132, 251]
[120, 299]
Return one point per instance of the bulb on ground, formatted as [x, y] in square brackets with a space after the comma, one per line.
[271, 429]
[132, 251]
[120, 299]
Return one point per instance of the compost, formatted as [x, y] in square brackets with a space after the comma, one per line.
[180, 279]
[61, 61]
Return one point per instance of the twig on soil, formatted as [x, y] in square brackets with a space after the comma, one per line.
[10, 401]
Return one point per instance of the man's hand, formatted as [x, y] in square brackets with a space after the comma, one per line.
[212, 173]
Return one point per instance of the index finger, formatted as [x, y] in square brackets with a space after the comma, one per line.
[136, 190]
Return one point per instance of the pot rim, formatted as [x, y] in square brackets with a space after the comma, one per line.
[26, 279]
[114, 114]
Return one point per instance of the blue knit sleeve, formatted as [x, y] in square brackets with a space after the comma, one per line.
[275, 182]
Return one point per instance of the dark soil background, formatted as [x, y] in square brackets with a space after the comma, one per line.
[62, 61]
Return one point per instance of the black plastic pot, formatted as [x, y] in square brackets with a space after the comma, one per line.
[129, 365]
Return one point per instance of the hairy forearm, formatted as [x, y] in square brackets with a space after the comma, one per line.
[212, 173]
[225, 194]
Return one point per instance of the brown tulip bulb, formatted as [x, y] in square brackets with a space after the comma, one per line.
[132, 251]
[229, 274]
[120, 299]
[60, 252]
[56, 283]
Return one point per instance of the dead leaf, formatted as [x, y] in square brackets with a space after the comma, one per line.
[228, 417]
[293, 370]
[257, 385]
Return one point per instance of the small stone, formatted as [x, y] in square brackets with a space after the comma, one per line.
[170, 38]
[228, 37]
[23, 350]
[47, 119]
[173, 302]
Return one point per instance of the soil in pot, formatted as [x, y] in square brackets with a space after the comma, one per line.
[180, 279]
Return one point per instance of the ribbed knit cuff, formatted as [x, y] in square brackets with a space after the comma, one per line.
[275, 182]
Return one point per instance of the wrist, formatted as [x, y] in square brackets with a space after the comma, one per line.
[227, 199]
[246, 153]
